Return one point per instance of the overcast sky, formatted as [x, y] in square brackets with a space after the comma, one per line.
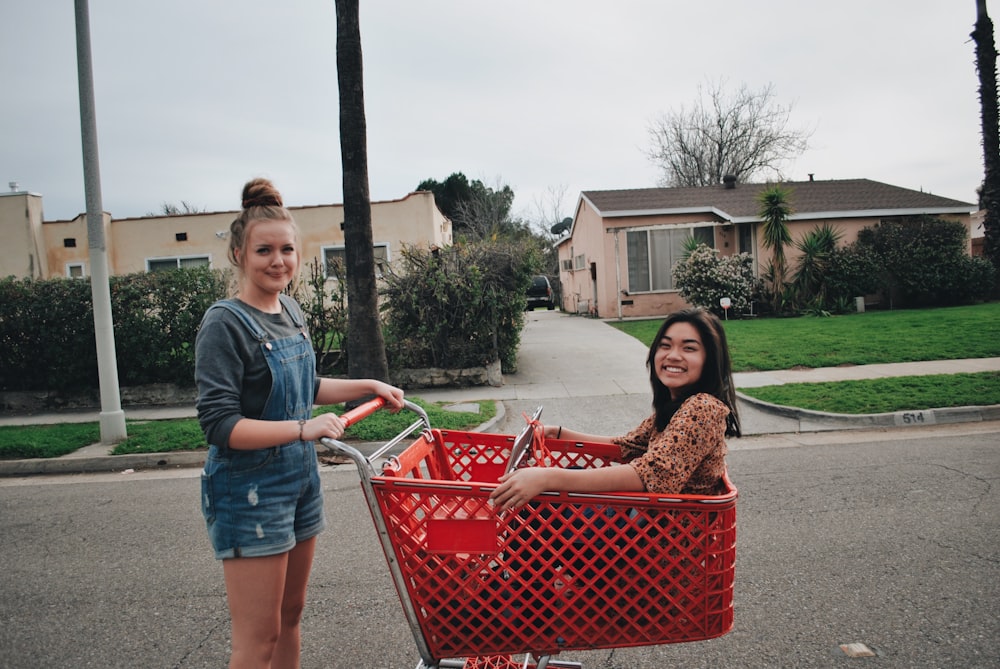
[194, 97]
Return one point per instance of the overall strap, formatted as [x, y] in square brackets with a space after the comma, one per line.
[292, 308]
[249, 321]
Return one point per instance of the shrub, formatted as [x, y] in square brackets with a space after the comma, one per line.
[808, 289]
[47, 329]
[324, 304]
[978, 278]
[47, 335]
[156, 317]
[704, 278]
[924, 262]
[853, 271]
[454, 308]
[462, 306]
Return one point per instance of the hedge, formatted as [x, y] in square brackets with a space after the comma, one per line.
[454, 308]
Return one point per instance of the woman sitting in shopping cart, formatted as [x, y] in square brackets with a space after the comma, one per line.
[681, 447]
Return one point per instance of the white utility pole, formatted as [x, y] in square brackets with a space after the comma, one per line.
[112, 417]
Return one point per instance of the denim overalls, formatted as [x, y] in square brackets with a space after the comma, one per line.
[263, 501]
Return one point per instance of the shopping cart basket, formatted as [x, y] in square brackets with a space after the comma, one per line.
[568, 571]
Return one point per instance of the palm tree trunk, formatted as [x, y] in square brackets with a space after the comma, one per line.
[986, 64]
[365, 345]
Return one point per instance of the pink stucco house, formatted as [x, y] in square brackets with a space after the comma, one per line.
[616, 259]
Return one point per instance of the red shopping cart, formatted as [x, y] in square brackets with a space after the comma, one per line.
[568, 571]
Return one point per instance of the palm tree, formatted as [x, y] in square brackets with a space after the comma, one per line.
[986, 64]
[816, 248]
[774, 212]
[365, 345]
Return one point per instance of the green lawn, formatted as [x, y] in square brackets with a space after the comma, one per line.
[860, 339]
[901, 393]
[857, 339]
[161, 436]
[46, 441]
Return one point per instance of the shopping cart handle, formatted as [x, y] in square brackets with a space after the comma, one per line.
[362, 411]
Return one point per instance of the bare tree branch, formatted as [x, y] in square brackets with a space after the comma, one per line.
[745, 133]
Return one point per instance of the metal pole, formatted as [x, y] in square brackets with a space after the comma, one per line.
[618, 275]
[112, 417]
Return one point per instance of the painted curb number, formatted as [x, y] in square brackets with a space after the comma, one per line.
[914, 418]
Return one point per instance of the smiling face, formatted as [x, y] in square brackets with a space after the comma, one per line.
[269, 262]
[679, 358]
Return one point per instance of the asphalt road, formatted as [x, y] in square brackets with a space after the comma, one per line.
[889, 539]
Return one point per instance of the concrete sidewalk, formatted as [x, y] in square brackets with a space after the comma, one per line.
[857, 372]
[584, 368]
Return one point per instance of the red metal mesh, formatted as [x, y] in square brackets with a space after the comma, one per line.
[568, 571]
[494, 662]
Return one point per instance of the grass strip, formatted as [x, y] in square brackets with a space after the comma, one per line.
[46, 441]
[885, 395]
[873, 337]
[184, 434]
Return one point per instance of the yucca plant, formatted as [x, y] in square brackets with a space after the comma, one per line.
[774, 212]
[816, 248]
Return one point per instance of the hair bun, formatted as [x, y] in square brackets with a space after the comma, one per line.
[261, 193]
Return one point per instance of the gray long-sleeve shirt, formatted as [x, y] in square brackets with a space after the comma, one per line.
[230, 371]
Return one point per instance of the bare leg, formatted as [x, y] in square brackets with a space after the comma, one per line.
[255, 587]
[287, 650]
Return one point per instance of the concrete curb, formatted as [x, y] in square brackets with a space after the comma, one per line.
[783, 419]
[758, 418]
[104, 464]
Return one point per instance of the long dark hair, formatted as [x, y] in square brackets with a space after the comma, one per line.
[716, 375]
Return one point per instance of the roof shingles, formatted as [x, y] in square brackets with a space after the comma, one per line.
[836, 197]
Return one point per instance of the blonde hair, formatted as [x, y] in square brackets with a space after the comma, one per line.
[261, 202]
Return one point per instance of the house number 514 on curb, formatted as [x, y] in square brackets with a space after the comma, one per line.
[914, 418]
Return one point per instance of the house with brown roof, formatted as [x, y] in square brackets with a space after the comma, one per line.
[616, 260]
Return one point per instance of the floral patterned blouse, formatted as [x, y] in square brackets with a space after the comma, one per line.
[688, 456]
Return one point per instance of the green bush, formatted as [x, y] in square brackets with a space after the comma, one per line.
[457, 307]
[852, 272]
[704, 277]
[462, 306]
[924, 262]
[46, 335]
[47, 329]
[324, 304]
[156, 317]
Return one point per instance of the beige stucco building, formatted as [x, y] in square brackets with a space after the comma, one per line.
[35, 248]
[617, 258]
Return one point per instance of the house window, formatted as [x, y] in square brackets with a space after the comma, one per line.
[579, 261]
[335, 254]
[181, 236]
[69, 242]
[745, 234]
[74, 270]
[652, 254]
[176, 262]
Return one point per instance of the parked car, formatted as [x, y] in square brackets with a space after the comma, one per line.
[540, 294]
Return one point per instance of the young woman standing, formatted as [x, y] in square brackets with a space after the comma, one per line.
[256, 375]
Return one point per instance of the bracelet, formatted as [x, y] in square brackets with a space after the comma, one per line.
[559, 433]
[302, 424]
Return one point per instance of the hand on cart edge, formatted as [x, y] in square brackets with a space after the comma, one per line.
[518, 487]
